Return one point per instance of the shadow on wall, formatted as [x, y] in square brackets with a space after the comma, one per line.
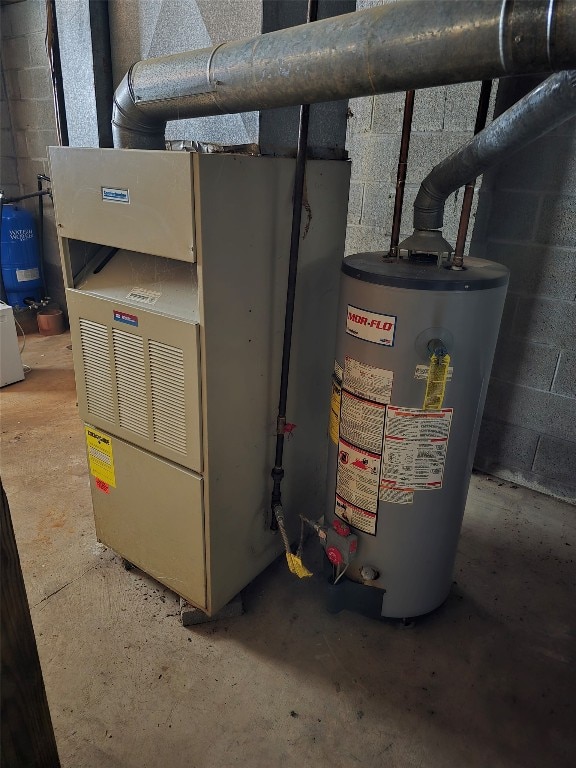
[526, 220]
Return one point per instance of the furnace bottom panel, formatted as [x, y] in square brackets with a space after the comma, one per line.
[154, 518]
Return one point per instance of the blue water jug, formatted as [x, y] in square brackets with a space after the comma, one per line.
[19, 256]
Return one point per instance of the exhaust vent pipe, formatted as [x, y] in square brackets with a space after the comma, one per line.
[547, 106]
[398, 46]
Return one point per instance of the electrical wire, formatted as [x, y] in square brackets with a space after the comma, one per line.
[26, 368]
[337, 579]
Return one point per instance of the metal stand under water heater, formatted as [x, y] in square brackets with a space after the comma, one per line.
[414, 350]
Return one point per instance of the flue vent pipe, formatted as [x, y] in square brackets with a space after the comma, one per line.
[398, 46]
[547, 106]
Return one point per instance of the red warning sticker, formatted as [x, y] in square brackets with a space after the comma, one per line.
[102, 485]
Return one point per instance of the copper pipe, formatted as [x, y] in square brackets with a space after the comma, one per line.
[481, 117]
[402, 170]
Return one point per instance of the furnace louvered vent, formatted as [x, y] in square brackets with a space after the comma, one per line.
[168, 402]
[131, 381]
[97, 374]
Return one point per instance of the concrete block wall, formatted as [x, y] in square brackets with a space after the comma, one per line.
[30, 115]
[443, 121]
[9, 181]
[527, 220]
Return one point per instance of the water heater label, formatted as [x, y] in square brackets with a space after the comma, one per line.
[356, 517]
[397, 495]
[357, 486]
[415, 445]
[114, 195]
[362, 422]
[367, 381]
[370, 326]
[334, 423]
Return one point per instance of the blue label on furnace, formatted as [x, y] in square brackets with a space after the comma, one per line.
[124, 317]
[114, 195]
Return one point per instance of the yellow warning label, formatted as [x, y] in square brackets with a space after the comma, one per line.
[335, 400]
[100, 457]
[436, 382]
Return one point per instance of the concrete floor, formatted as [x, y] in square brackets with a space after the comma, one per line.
[487, 682]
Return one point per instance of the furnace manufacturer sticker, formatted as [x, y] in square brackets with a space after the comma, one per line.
[357, 478]
[114, 195]
[144, 296]
[370, 326]
[334, 424]
[367, 381]
[356, 517]
[100, 456]
[125, 317]
[362, 422]
[415, 444]
[396, 495]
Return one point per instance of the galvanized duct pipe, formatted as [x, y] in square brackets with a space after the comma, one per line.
[550, 104]
[398, 46]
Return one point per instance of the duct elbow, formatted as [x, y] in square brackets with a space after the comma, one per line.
[429, 207]
[132, 128]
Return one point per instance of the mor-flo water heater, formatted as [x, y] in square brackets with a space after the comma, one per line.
[413, 357]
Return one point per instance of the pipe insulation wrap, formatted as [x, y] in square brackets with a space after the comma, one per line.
[401, 45]
[547, 106]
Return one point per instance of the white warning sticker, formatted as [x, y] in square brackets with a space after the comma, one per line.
[422, 371]
[367, 381]
[356, 517]
[371, 326]
[415, 444]
[338, 370]
[23, 275]
[144, 296]
[396, 495]
[362, 422]
[358, 474]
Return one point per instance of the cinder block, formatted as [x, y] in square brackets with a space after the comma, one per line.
[37, 48]
[360, 239]
[565, 379]
[374, 158]
[506, 445]
[522, 362]
[546, 165]
[27, 172]
[35, 83]
[20, 145]
[388, 113]
[11, 82]
[23, 18]
[8, 172]
[30, 114]
[15, 53]
[428, 149]
[513, 215]
[429, 109]
[556, 459]
[355, 202]
[378, 206]
[538, 270]
[6, 143]
[543, 412]
[461, 106]
[37, 141]
[546, 321]
[557, 221]
[361, 119]
[191, 616]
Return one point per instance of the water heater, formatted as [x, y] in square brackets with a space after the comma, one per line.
[414, 351]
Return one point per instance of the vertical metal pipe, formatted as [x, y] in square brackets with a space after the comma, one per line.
[402, 170]
[278, 471]
[481, 117]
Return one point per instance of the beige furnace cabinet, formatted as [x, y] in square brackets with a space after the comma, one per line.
[175, 266]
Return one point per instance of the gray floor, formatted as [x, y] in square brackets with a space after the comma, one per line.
[488, 681]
